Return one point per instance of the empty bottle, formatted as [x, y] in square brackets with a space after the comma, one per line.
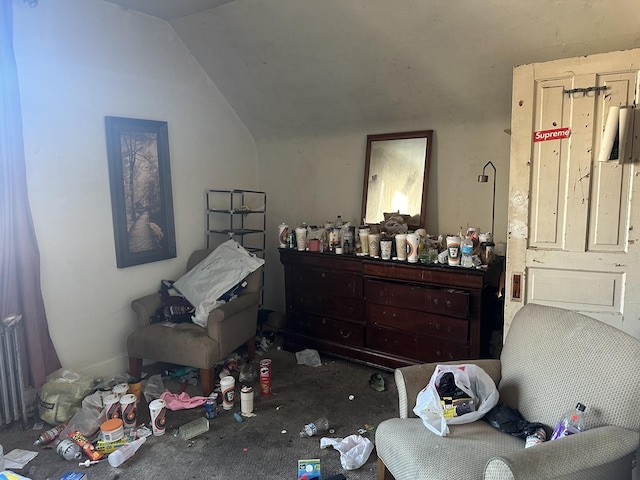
[193, 428]
[125, 452]
[570, 423]
[466, 248]
[311, 429]
[50, 435]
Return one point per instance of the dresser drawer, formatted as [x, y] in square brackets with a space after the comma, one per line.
[328, 305]
[434, 350]
[340, 284]
[325, 328]
[441, 301]
[389, 340]
[423, 323]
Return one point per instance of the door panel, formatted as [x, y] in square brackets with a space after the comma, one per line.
[571, 240]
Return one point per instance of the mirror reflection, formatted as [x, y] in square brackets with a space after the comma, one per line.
[396, 177]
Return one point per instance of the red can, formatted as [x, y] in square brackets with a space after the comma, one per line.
[265, 377]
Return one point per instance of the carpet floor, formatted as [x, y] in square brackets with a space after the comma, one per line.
[266, 446]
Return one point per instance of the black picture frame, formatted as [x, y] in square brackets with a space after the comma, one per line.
[141, 198]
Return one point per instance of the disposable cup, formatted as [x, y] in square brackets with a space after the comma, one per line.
[112, 406]
[401, 246]
[158, 413]
[413, 245]
[385, 248]
[129, 409]
[301, 239]
[374, 244]
[120, 389]
[453, 250]
[227, 385]
[364, 240]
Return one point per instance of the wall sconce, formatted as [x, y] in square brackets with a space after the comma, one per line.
[484, 179]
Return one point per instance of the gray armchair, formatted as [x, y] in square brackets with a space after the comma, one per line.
[552, 359]
[228, 327]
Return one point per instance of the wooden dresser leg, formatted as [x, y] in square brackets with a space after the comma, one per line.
[135, 367]
[207, 380]
[383, 473]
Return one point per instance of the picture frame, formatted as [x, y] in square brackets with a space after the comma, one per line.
[141, 196]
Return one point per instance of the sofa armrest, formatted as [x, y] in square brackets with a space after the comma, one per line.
[570, 457]
[410, 380]
[145, 308]
[229, 309]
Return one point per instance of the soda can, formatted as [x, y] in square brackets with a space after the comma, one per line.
[283, 233]
[210, 407]
[265, 377]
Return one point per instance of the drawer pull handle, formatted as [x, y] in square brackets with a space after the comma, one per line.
[451, 356]
[450, 330]
[439, 353]
[448, 303]
[324, 275]
[347, 335]
[436, 301]
[437, 326]
[324, 321]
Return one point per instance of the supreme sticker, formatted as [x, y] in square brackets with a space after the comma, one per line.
[555, 134]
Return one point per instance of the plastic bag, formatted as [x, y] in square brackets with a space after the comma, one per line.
[308, 357]
[354, 450]
[61, 396]
[153, 388]
[472, 380]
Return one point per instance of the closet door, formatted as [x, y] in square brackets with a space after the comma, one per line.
[571, 239]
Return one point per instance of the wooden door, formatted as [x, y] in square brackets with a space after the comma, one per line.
[571, 238]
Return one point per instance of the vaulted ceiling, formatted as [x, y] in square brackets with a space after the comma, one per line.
[309, 67]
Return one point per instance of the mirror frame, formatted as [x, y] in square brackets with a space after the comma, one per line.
[428, 135]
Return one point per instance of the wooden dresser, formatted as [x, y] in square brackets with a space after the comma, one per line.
[388, 313]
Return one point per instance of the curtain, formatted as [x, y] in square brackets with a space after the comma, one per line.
[20, 291]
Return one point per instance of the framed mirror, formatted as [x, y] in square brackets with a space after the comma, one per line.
[396, 177]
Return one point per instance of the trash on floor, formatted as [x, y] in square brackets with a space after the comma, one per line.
[309, 469]
[354, 450]
[308, 357]
[376, 381]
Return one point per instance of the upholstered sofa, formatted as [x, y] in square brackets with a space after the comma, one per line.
[228, 327]
[551, 360]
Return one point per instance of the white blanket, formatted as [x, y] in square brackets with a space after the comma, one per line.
[220, 271]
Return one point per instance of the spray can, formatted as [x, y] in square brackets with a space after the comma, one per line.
[50, 435]
[68, 449]
[265, 377]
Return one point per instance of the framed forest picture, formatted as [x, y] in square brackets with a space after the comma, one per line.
[141, 199]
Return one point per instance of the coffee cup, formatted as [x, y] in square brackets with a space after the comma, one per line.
[413, 246]
[385, 248]
[364, 240]
[374, 245]
[158, 413]
[453, 250]
[112, 406]
[301, 239]
[129, 410]
[227, 385]
[401, 246]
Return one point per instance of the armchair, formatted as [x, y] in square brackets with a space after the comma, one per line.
[228, 327]
[552, 359]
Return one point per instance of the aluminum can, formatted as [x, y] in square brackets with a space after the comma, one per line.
[283, 233]
[69, 450]
[265, 377]
[210, 407]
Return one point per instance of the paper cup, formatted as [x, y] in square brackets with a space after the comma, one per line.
[374, 244]
[413, 245]
[158, 413]
[227, 385]
[112, 406]
[283, 232]
[129, 410]
[453, 250]
[363, 233]
[301, 239]
[385, 248]
[120, 389]
[246, 400]
[401, 246]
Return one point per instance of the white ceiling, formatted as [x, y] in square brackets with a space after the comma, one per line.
[308, 67]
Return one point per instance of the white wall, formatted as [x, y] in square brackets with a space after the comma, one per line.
[314, 179]
[79, 61]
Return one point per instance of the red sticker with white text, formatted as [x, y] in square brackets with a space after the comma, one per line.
[555, 134]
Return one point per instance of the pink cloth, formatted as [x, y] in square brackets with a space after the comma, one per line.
[182, 401]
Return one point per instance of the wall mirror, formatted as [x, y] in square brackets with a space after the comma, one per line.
[396, 176]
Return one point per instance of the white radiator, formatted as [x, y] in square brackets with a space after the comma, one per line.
[12, 401]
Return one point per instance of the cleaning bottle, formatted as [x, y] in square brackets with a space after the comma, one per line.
[125, 452]
[570, 423]
[310, 429]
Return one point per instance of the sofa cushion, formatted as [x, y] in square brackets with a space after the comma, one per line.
[412, 451]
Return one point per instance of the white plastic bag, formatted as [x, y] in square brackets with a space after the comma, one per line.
[470, 378]
[354, 450]
[219, 272]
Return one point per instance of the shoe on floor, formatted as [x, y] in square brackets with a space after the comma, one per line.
[377, 382]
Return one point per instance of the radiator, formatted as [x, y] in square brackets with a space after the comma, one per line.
[12, 399]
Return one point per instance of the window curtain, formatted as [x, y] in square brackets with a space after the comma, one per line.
[20, 291]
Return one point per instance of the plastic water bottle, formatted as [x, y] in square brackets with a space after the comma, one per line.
[466, 248]
[125, 452]
[311, 429]
[193, 429]
[570, 423]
